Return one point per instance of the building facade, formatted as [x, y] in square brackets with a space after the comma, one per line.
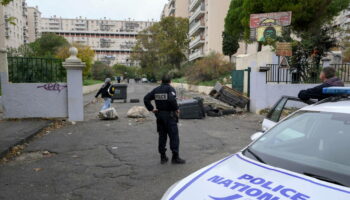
[33, 21]
[16, 34]
[176, 8]
[112, 40]
[165, 11]
[343, 20]
[207, 21]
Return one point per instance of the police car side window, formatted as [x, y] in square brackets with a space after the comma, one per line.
[276, 112]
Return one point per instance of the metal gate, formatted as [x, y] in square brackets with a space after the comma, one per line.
[238, 81]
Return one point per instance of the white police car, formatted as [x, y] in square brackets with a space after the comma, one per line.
[306, 156]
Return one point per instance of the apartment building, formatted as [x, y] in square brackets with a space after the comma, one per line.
[176, 8]
[343, 20]
[112, 40]
[16, 35]
[207, 21]
[33, 21]
[165, 11]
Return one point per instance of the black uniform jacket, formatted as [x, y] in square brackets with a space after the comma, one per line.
[164, 97]
[317, 92]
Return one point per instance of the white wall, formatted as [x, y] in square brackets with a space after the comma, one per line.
[1, 109]
[255, 60]
[91, 88]
[26, 100]
[265, 95]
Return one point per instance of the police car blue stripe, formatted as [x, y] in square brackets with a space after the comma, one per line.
[197, 177]
[292, 175]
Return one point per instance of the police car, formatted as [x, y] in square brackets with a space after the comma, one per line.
[305, 156]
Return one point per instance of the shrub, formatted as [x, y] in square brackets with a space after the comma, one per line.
[85, 53]
[129, 72]
[101, 71]
[208, 68]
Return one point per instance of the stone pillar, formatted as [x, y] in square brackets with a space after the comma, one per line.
[3, 59]
[3, 52]
[75, 68]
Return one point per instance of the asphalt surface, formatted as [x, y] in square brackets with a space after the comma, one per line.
[14, 132]
[118, 159]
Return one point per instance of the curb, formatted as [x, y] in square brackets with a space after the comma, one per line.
[26, 139]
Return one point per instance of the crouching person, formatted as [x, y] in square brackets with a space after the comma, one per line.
[329, 79]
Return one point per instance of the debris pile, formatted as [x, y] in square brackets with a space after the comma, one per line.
[138, 112]
[108, 114]
[229, 96]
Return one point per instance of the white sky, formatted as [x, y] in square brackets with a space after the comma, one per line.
[96, 9]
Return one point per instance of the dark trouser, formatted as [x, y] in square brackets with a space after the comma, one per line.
[167, 126]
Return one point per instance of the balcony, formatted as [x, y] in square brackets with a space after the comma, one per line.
[172, 11]
[80, 23]
[196, 26]
[194, 4]
[54, 23]
[198, 13]
[198, 41]
[171, 3]
[195, 55]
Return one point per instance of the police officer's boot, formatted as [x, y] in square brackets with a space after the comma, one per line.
[177, 160]
[163, 158]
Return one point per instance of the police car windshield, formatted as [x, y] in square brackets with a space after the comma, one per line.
[309, 143]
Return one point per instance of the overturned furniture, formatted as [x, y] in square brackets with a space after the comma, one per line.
[192, 109]
[229, 96]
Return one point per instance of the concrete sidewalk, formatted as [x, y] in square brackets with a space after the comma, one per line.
[15, 132]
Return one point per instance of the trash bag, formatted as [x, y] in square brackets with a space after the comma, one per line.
[108, 114]
[138, 112]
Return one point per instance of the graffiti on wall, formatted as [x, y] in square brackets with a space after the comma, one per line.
[53, 87]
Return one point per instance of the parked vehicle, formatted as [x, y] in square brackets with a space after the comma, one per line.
[144, 80]
[304, 156]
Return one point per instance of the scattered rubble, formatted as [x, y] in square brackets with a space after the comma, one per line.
[229, 96]
[213, 107]
[108, 114]
[138, 112]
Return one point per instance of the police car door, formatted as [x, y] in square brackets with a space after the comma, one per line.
[284, 107]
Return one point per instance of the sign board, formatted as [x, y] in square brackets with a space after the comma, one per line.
[269, 25]
[284, 63]
[284, 49]
[277, 18]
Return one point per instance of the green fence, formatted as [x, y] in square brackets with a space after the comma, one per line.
[36, 70]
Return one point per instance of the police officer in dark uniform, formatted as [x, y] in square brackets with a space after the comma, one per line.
[167, 112]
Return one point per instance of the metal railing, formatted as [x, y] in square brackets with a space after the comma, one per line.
[36, 70]
[309, 74]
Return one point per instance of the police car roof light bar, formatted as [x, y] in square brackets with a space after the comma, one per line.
[337, 90]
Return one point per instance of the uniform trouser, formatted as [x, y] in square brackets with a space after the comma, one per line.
[167, 126]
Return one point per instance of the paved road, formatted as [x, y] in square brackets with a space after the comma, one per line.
[118, 159]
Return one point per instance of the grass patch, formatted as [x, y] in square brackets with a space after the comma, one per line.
[179, 80]
[208, 83]
[88, 82]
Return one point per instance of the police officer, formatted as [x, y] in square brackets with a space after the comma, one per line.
[167, 112]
